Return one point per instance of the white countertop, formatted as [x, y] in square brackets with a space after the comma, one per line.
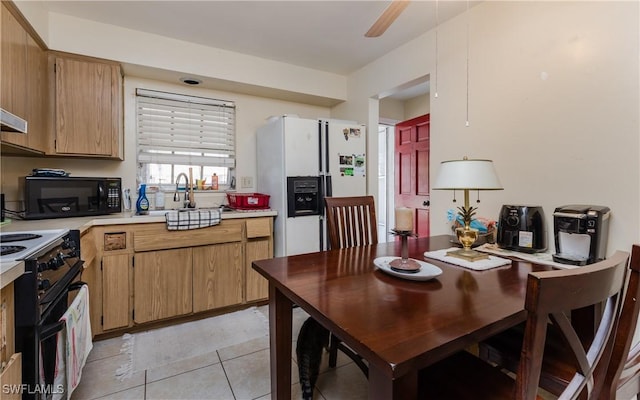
[11, 270]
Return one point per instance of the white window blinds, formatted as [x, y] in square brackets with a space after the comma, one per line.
[186, 130]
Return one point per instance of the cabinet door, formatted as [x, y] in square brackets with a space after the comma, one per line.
[162, 284]
[115, 291]
[92, 275]
[38, 97]
[87, 107]
[217, 276]
[257, 285]
[259, 246]
[13, 71]
[7, 323]
[11, 377]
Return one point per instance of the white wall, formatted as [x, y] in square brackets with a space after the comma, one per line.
[403, 110]
[417, 106]
[75, 35]
[553, 100]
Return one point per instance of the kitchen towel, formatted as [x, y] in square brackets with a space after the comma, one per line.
[74, 345]
[479, 265]
[183, 220]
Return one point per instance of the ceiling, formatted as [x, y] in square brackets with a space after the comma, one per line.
[322, 35]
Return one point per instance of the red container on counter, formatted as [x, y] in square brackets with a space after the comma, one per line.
[248, 201]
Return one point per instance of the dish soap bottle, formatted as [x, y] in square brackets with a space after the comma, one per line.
[214, 182]
[142, 205]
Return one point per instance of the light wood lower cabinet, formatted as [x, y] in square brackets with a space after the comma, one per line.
[11, 373]
[217, 276]
[11, 378]
[162, 284]
[115, 291]
[143, 273]
[258, 247]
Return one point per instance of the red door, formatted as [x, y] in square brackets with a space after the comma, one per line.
[412, 170]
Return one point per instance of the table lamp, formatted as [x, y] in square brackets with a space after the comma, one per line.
[467, 175]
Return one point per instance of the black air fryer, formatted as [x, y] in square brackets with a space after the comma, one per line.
[522, 228]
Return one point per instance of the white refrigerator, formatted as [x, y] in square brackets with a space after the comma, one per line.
[299, 162]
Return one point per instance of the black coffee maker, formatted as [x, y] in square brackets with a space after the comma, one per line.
[581, 233]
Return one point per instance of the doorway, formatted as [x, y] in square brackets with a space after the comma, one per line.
[412, 189]
[386, 201]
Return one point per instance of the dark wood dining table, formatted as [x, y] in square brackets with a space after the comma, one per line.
[398, 326]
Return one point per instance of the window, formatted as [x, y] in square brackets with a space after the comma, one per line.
[176, 132]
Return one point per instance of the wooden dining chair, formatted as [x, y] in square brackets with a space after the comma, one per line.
[623, 374]
[550, 297]
[351, 221]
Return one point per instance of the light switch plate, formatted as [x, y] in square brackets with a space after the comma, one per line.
[246, 182]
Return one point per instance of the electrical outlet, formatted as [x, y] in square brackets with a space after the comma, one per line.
[246, 182]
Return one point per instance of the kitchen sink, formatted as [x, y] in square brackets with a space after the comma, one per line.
[161, 213]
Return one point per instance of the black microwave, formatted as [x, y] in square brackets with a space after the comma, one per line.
[60, 197]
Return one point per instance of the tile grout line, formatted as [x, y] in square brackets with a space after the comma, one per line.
[224, 370]
[144, 390]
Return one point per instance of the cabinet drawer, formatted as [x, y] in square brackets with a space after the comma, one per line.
[258, 227]
[157, 237]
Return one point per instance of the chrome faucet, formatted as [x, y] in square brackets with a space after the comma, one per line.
[176, 195]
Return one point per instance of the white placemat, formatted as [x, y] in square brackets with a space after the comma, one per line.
[539, 258]
[479, 265]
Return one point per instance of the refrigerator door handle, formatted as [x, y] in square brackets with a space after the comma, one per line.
[329, 188]
[321, 192]
[320, 146]
[326, 143]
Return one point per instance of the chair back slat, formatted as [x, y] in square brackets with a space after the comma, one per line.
[552, 295]
[623, 373]
[351, 221]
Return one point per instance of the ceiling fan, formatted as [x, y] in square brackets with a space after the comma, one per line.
[386, 18]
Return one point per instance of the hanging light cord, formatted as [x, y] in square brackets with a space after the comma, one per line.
[437, 25]
[467, 12]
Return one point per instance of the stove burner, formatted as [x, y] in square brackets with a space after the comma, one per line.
[18, 237]
[6, 250]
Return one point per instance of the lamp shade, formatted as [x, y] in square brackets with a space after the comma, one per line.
[467, 174]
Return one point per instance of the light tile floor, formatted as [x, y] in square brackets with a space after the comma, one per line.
[238, 372]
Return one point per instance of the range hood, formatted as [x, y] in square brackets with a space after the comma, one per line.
[12, 123]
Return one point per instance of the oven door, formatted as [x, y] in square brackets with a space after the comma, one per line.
[38, 322]
[48, 330]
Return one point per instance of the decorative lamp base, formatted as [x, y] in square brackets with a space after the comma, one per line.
[467, 236]
[469, 255]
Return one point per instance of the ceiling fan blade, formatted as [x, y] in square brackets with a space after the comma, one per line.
[386, 19]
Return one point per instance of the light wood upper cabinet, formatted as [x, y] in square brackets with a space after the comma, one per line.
[25, 86]
[39, 129]
[13, 72]
[88, 106]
